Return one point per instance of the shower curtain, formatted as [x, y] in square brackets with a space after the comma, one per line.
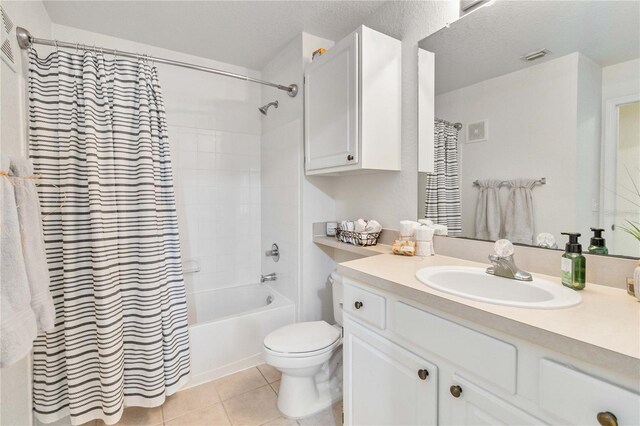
[98, 139]
[442, 201]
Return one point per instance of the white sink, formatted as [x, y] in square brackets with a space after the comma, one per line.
[476, 284]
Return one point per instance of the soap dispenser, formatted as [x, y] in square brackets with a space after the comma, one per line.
[573, 263]
[597, 245]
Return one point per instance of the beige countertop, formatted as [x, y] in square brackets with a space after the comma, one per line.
[603, 330]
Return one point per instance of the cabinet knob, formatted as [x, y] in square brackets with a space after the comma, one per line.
[423, 374]
[358, 305]
[455, 390]
[349, 157]
[606, 418]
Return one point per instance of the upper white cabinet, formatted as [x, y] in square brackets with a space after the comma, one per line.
[353, 106]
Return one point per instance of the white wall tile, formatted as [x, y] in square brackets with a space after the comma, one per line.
[218, 197]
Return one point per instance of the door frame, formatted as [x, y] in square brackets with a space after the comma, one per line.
[609, 161]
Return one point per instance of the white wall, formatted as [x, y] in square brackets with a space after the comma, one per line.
[588, 137]
[15, 381]
[290, 201]
[391, 197]
[537, 118]
[318, 205]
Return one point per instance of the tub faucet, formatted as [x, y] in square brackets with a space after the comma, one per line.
[505, 266]
[268, 277]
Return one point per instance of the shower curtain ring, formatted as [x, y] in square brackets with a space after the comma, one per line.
[115, 53]
[55, 43]
[77, 45]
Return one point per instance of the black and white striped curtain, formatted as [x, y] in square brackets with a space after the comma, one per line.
[98, 139]
[442, 201]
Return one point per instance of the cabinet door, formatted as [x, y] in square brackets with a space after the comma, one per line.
[476, 406]
[386, 384]
[331, 107]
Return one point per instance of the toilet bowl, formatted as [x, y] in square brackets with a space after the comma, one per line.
[309, 356]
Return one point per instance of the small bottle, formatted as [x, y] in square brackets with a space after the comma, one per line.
[597, 242]
[573, 263]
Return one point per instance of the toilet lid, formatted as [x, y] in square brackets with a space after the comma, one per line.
[302, 337]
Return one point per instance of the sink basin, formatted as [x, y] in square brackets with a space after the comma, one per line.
[476, 284]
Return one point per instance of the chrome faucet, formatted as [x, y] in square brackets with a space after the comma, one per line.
[505, 266]
[268, 277]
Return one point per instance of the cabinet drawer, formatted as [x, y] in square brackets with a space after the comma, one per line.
[577, 397]
[365, 305]
[490, 359]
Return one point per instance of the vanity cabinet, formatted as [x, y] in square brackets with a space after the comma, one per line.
[388, 384]
[353, 106]
[405, 363]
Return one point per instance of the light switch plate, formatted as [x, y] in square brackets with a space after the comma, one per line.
[478, 131]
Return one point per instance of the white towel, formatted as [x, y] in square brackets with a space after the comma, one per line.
[360, 225]
[18, 325]
[518, 215]
[440, 229]
[33, 244]
[407, 228]
[488, 215]
[373, 226]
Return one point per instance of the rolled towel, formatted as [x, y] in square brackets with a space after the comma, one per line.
[360, 225]
[424, 233]
[407, 228]
[33, 244]
[425, 222]
[546, 240]
[440, 229]
[373, 226]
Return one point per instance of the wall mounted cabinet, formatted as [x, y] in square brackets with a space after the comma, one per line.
[353, 106]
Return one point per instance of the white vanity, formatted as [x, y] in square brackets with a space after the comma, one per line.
[417, 356]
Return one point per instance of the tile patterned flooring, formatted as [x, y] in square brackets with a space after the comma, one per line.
[244, 398]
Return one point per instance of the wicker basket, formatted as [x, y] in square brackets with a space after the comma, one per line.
[358, 238]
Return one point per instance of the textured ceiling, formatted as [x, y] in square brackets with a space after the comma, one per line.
[490, 41]
[246, 33]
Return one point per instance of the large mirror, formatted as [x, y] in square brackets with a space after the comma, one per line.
[537, 128]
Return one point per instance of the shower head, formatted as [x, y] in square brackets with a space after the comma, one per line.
[263, 109]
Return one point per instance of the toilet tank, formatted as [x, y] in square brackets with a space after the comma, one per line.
[337, 292]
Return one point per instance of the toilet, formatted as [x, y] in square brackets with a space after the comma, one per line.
[309, 356]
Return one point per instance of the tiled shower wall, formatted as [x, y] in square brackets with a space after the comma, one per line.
[217, 185]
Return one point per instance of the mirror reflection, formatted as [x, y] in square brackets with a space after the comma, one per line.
[537, 128]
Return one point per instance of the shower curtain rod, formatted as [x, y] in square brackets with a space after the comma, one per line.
[26, 40]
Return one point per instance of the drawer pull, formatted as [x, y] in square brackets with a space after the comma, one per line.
[358, 305]
[606, 418]
[349, 157]
[423, 374]
[456, 391]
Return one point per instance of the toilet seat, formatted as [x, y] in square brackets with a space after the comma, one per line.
[303, 339]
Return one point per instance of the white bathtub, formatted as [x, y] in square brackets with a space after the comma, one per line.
[228, 328]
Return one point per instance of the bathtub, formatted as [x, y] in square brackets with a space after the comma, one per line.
[228, 326]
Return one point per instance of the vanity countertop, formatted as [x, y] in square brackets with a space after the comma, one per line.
[603, 330]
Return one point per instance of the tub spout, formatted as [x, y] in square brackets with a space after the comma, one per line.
[268, 277]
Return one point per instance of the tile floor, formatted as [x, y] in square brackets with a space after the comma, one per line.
[244, 398]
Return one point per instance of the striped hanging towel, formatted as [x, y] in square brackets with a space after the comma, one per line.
[98, 139]
[442, 202]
